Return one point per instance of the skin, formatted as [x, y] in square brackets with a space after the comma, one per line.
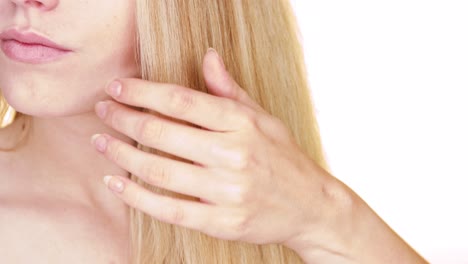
[253, 181]
[246, 168]
[52, 187]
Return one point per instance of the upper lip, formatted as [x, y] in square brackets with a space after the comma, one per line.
[30, 38]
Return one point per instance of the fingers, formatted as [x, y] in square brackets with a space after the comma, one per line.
[190, 214]
[181, 140]
[166, 173]
[220, 83]
[223, 223]
[205, 110]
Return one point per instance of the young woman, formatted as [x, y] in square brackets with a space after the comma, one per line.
[206, 160]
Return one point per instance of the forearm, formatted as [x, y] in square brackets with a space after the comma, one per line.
[374, 241]
[353, 233]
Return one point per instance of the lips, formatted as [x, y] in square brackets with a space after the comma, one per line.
[30, 38]
[29, 47]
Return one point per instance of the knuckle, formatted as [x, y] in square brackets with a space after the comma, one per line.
[116, 152]
[136, 94]
[151, 130]
[241, 157]
[176, 214]
[240, 194]
[113, 116]
[181, 101]
[248, 117]
[155, 174]
[137, 199]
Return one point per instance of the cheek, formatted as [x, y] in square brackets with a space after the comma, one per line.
[5, 10]
[117, 49]
[110, 45]
[112, 59]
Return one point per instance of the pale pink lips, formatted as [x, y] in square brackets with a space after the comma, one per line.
[30, 48]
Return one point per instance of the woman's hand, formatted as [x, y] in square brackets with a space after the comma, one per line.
[254, 182]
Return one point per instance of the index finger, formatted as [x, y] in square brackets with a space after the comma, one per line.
[208, 111]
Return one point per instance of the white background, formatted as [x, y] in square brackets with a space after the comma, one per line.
[389, 81]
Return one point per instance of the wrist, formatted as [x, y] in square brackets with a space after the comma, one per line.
[349, 231]
[329, 238]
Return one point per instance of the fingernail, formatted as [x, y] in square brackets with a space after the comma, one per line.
[99, 142]
[93, 138]
[114, 183]
[101, 109]
[220, 60]
[114, 88]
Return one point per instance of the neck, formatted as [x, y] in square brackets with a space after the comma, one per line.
[59, 158]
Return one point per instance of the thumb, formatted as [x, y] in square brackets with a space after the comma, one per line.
[220, 83]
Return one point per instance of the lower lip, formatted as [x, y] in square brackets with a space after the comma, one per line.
[30, 53]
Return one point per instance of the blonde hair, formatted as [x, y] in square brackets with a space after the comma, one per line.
[260, 44]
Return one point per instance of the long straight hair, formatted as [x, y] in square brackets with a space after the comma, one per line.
[260, 44]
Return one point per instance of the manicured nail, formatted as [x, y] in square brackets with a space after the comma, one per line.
[221, 62]
[114, 88]
[93, 138]
[99, 142]
[114, 183]
[101, 109]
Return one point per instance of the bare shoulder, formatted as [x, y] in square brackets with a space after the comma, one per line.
[35, 230]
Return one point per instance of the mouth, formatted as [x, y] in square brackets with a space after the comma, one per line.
[30, 47]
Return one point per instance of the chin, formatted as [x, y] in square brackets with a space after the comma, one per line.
[47, 100]
[60, 92]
